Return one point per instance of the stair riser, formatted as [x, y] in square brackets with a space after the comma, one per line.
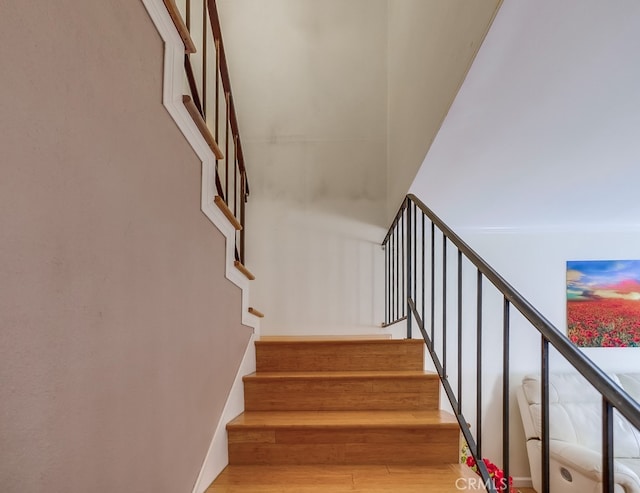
[362, 356]
[425, 447]
[329, 395]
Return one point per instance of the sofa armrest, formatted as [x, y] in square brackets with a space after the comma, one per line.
[589, 463]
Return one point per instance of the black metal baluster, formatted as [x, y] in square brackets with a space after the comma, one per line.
[392, 275]
[459, 410]
[444, 304]
[423, 295]
[235, 174]
[409, 259]
[403, 301]
[607, 447]
[505, 390]
[415, 253]
[397, 282]
[479, 366]
[217, 98]
[226, 146]
[243, 200]
[204, 59]
[544, 364]
[433, 284]
[386, 283]
[216, 102]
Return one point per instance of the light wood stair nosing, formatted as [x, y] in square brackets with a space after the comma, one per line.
[246, 272]
[255, 312]
[202, 126]
[222, 205]
[341, 375]
[336, 342]
[367, 420]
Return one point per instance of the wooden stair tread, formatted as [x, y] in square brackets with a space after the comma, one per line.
[246, 272]
[340, 375]
[319, 341]
[343, 419]
[325, 337]
[256, 312]
[342, 478]
[224, 208]
[339, 355]
[202, 126]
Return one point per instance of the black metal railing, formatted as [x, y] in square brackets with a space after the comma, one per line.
[209, 85]
[417, 267]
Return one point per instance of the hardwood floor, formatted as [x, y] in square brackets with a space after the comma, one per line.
[340, 479]
[343, 479]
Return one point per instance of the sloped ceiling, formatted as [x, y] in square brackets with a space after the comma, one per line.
[431, 45]
[341, 99]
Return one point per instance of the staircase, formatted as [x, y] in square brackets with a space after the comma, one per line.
[320, 413]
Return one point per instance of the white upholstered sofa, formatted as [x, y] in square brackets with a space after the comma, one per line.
[575, 434]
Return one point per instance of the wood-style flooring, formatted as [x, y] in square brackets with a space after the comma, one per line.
[342, 479]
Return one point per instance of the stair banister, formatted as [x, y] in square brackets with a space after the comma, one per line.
[400, 274]
[212, 106]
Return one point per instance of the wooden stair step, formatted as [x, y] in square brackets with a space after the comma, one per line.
[335, 391]
[339, 355]
[317, 337]
[343, 479]
[344, 437]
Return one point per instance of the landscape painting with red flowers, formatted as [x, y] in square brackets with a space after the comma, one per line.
[603, 303]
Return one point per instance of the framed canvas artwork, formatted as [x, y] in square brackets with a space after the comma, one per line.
[603, 303]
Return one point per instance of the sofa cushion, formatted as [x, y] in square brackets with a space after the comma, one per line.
[630, 382]
[575, 414]
[633, 464]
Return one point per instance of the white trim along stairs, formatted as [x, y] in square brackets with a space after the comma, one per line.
[173, 89]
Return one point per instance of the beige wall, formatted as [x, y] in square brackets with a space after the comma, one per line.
[309, 80]
[431, 46]
[119, 337]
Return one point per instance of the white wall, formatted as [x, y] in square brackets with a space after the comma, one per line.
[309, 80]
[546, 123]
[431, 44]
[537, 162]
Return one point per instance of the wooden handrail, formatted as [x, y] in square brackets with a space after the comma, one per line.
[172, 8]
[238, 265]
[202, 126]
[255, 312]
[233, 165]
[219, 201]
[224, 75]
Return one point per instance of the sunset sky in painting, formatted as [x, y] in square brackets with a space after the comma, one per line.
[603, 279]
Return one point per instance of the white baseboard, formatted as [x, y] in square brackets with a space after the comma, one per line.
[217, 457]
[522, 482]
[172, 92]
